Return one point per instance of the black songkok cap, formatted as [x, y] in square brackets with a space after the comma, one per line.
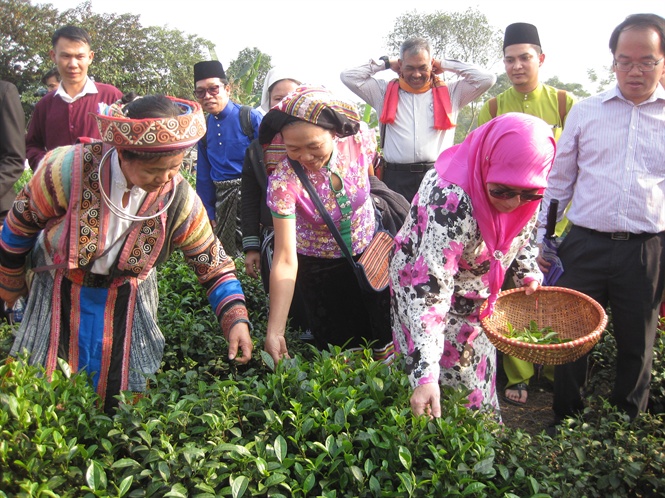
[521, 32]
[208, 69]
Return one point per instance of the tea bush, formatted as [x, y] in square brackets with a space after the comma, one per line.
[329, 424]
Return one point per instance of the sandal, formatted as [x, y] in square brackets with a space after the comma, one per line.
[520, 388]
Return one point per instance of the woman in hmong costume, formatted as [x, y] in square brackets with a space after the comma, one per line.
[96, 219]
[472, 217]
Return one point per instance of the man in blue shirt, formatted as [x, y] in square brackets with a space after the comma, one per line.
[221, 153]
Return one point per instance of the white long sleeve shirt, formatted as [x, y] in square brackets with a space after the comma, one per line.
[412, 138]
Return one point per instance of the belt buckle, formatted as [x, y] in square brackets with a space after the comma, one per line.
[620, 236]
[417, 168]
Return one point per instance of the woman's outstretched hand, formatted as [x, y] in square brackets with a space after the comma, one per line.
[426, 400]
[531, 287]
[275, 346]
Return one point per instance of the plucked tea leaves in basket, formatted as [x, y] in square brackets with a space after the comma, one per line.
[571, 314]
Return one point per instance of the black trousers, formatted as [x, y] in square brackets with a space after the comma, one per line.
[406, 183]
[627, 275]
[340, 312]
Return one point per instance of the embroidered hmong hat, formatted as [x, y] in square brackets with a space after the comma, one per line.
[315, 105]
[521, 32]
[152, 135]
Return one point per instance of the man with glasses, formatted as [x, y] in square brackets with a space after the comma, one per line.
[221, 152]
[522, 58]
[609, 165]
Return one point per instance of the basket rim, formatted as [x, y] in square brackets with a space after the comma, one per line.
[595, 333]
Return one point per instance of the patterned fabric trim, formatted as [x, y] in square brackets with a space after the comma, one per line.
[144, 242]
[52, 355]
[232, 315]
[12, 279]
[154, 134]
[74, 323]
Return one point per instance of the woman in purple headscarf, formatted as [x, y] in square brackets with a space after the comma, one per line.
[472, 218]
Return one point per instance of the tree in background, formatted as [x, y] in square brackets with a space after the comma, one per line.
[466, 36]
[575, 88]
[247, 73]
[602, 82]
[25, 38]
[132, 57]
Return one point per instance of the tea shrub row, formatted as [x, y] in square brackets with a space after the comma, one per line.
[330, 424]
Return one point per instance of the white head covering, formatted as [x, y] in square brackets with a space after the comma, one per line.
[273, 76]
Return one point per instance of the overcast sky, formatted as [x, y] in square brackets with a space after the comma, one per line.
[315, 40]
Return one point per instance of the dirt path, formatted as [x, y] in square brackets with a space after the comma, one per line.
[536, 415]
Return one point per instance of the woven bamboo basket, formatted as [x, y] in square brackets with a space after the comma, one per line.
[571, 314]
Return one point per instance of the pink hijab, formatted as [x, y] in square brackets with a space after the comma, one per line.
[512, 149]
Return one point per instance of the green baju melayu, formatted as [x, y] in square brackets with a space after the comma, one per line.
[542, 103]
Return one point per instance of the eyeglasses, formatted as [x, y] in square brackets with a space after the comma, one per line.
[645, 67]
[201, 92]
[509, 194]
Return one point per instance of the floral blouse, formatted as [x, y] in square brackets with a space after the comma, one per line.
[440, 268]
[287, 198]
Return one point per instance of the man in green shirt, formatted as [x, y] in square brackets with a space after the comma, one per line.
[522, 58]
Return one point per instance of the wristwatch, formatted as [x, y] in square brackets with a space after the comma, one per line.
[386, 61]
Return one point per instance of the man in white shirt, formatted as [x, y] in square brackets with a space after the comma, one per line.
[418, 110]
[610, 166]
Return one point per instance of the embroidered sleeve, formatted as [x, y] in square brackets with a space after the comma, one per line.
[214, 269]
[45, 197]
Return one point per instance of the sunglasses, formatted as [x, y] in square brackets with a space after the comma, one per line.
[212, 90]
[509, 194]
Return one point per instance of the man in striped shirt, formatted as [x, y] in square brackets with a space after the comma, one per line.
[610, 165]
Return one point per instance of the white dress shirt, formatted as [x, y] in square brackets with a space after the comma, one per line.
[610, 162]
[412, 138]
[88, 88]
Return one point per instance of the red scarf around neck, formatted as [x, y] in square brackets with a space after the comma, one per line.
[442, 105]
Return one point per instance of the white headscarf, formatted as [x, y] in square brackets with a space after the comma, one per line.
[273, 76]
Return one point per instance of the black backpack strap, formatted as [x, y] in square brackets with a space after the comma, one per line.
[255, 153]
[246, 121]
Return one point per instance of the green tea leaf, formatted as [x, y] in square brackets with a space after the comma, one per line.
[95, 476]
[239, 486]
[405, 457]
[280, 447]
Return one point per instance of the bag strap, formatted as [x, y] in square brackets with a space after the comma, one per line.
[255, 153]
[245, 126]
[493, 107]
[246, 121]
[297, 167]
